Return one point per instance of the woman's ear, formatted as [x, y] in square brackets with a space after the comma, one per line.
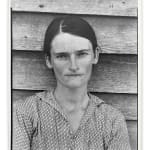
[96, 55]
[48, 62]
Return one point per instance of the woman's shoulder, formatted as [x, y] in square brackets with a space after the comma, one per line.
[107, 110]
[29, 104]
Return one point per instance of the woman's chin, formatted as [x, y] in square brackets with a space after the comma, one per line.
[74, 84]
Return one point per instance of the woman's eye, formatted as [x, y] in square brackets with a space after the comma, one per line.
[82, 54]
[62, 56]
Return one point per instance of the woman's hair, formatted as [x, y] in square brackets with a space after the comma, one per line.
[69, 24]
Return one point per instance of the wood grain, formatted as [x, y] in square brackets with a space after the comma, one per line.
[96, 7]
[126, 103]
[114, 34]
[133, 134]
[114, 99]
[113, 73]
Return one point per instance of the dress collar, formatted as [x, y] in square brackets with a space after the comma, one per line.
[48, 97]
[94, 102]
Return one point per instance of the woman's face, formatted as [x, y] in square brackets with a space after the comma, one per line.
[72, 58]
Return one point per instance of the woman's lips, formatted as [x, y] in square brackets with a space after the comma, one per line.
[73, 75]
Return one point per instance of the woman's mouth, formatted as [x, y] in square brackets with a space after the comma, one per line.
[73, 75]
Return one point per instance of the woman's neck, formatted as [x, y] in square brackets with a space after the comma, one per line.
[71, 99]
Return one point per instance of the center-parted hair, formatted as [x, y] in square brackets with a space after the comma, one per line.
[69, 24]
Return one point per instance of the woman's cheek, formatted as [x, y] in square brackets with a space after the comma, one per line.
[88, 67]
[59, 66]
[87, 63]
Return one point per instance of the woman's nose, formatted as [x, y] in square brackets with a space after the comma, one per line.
[73, 63]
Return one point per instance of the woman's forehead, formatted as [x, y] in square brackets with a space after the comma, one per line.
[68, 42]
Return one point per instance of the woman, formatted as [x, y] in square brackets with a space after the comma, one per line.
[69, 117]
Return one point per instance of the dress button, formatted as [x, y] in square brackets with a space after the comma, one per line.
[73, 137]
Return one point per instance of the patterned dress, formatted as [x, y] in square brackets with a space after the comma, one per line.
[39, 123]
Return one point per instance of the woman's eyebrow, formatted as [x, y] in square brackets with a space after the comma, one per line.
[60, 53]
[65, 53]
[83, 50]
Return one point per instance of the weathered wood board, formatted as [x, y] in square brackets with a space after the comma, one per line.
[132, 130]
[96, 7]
[114, 73]
[115, 34]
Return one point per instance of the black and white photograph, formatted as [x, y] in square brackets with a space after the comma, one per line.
[74, 74]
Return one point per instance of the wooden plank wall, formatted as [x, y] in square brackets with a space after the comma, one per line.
[114, 79]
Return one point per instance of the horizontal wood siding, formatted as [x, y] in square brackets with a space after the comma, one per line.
[96, 7]
[114, 73]
[115, 34]
[132, 130]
